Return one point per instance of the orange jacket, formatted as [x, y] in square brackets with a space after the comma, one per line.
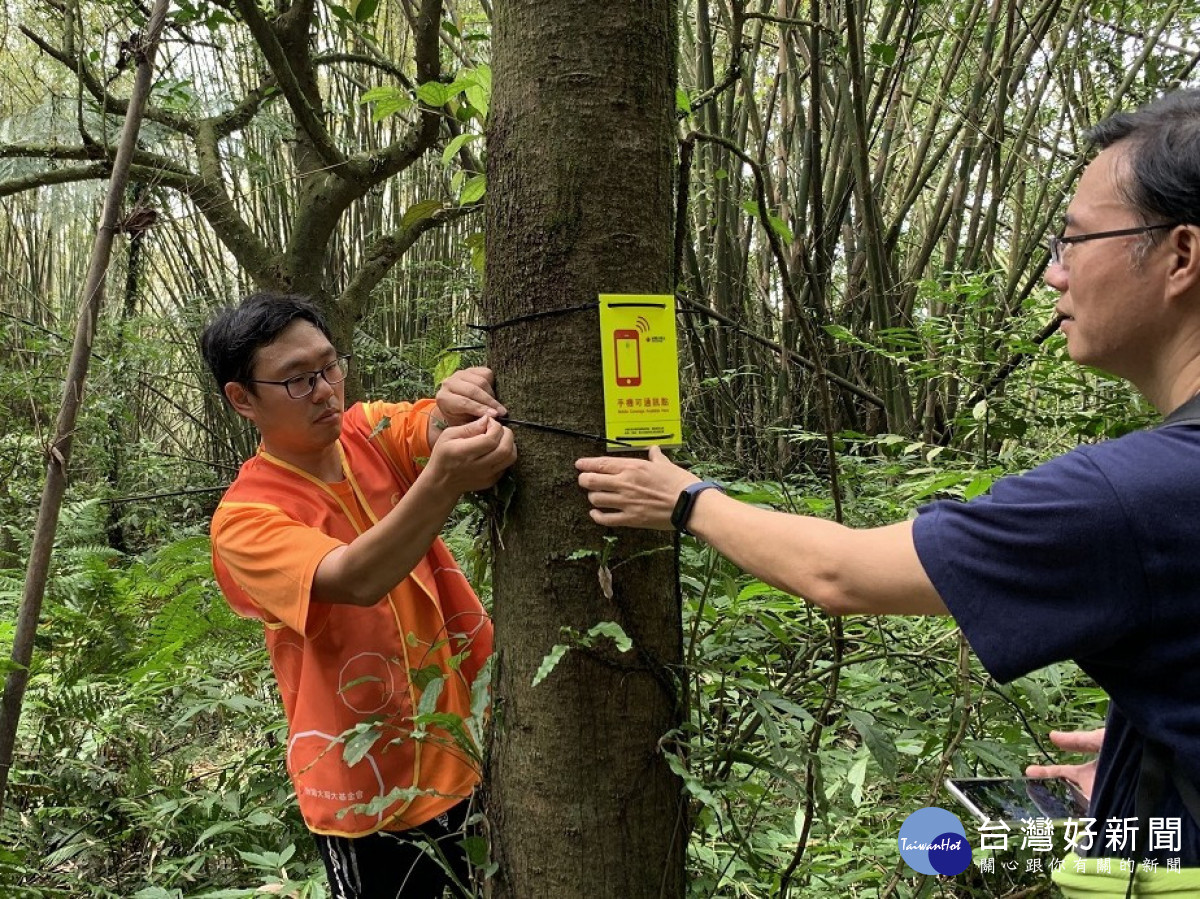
[341, 666]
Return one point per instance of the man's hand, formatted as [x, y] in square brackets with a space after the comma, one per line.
[1084, 775]
[634, 493]
[467, 395]
[472, 456]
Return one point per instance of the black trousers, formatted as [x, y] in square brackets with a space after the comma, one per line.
[397, 864]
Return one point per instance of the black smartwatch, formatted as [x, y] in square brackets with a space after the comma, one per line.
[687, 502]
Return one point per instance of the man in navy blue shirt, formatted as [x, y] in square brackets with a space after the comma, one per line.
[1094, 556]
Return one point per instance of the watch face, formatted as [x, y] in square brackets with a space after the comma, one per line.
[687, 499]
[683, 509]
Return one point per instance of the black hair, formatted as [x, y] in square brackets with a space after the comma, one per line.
[230, 341]
[1163, 139]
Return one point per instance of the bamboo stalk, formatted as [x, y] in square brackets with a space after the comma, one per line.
[38, 569]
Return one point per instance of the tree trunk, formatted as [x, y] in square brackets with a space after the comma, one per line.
[581, 800]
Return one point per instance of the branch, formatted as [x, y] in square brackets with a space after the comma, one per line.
[94, 152]
[205, 190]
[370, 61]
[380, 166]
[790, 23]
[93, 172]
[108, 103]
[861, 392]
[239, 238]
[733, 73]
[1013, 363]
[386, 251]
[143, 497]
[315, 221]
[281, 68]
[238, 117]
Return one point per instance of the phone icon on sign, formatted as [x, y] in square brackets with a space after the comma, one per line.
[629, 358]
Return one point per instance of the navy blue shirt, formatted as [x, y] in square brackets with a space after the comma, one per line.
[1095, 557]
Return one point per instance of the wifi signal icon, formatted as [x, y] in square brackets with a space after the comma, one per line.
[642, 324]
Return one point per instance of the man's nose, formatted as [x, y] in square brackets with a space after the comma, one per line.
[1056, 276]
[321, 389]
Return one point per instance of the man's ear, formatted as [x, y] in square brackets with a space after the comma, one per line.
[1183, 278]
[239, 398]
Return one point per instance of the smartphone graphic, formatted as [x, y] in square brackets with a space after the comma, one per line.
[629, 358]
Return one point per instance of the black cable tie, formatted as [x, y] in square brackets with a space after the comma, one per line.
[566, 432]
[532, 316]
[637, 306]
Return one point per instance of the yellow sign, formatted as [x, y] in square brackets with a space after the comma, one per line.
[641, 370]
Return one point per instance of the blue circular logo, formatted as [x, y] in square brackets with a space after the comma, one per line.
[933, 841]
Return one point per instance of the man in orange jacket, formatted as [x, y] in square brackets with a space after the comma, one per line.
[329, 536]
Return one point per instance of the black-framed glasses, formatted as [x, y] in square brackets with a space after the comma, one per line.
[1059, 244]
[301, 385]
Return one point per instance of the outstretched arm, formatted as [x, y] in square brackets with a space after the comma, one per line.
[843, 570]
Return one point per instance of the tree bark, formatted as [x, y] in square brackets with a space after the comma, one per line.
[580, 798]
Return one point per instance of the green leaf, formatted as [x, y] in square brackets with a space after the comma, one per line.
[360, 744]
[780, 227]
[979, 485]
[429, 698]
[216, 830]
[473, 190]
[435, 94]
[837, 332]
[682, 103]
[423, 677]
[384, 802]
[691, 783]
[476, 849]
[457, 144]
[550, 662]
[885, 53]
[364, 9]
[365, 679]
[997, 755]
[786, 706]
[446, 365]
[614, 632]
[475, 243]
[418, 212]
[878, 740]
[380, 426]
[481, 698]
[387, 101]
[479, 89]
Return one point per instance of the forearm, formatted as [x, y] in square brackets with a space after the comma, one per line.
[843, 570]
[364, 570]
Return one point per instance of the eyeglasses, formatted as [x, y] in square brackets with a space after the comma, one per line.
[1058, 244]
[301, 385]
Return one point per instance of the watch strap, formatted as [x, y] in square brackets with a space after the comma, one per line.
[686, 502]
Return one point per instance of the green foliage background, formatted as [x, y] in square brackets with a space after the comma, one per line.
[151, 754]
[151, 751]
